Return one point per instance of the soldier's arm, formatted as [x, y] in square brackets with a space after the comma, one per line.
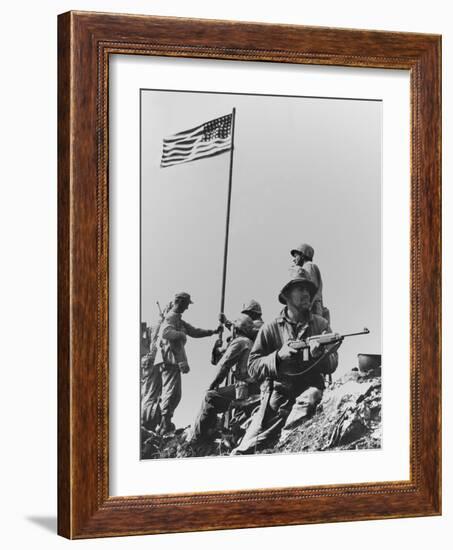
[330, 363]
[194, 332]
[256, 328]
[169, 332]
[229, 359]
[263, 361]
[313, 272]
[225, 321]
[232, 354]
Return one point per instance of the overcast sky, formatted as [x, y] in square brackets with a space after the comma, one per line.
[305, 170]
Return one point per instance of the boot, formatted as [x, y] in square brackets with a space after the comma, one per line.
[166, 426]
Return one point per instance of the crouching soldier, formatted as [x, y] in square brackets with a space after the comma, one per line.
[291, 385]
[174, 359]
[218, 399]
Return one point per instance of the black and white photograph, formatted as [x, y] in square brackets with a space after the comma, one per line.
[260, 274]
[227, 247]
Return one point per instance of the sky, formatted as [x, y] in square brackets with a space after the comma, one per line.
[304, 170]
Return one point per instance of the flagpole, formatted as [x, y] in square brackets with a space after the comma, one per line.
[227, 223]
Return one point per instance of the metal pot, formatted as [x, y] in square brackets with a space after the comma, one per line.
[369, 362]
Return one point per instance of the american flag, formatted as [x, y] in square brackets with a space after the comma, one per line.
[207, 140]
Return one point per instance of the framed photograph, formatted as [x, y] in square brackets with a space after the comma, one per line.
[249, 275]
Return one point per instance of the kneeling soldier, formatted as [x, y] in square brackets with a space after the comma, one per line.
[217, 400]
[291, 385]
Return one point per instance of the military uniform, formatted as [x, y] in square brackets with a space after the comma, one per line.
[151, 389]
[285, 398]
[313, 272]
[218, 399]
[174, 360]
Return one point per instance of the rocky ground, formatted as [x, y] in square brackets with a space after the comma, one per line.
[348, 417]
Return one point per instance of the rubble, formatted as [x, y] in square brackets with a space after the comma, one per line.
[348, 417]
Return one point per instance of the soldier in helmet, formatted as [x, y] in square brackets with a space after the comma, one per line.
[174, 359]
[303, 257]
[218, 399]
[291, 385]
[253, 310]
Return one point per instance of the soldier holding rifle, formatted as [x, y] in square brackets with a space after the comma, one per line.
[291, 385]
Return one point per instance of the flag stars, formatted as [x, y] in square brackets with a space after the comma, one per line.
[219, 128]
[209, 139]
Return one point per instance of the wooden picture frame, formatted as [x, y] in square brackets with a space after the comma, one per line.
[85, 42]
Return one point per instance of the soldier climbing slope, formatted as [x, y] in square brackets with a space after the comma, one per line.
[218, 399]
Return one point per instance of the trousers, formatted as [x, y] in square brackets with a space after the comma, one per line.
[151, 389]
[214, 402]
[282, 407]
[171, 390]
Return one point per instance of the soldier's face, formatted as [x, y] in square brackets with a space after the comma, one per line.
[182, 305]
[299, 298]
[254, 316]
[297, 259]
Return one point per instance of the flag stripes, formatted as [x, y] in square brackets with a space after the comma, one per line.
[206, 140]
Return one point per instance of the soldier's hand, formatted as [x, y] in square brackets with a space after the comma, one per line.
[286, 352]
[315, 349]
[222, 318]
[218, 330]
[184, 367]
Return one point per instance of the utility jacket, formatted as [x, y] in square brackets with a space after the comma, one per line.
[263, 361]
[236, 355]
[315, 275]
[174, 332]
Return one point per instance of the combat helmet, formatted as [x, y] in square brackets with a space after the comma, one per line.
[299, 276]
[304, 249]
[180, 296]
[244, 324]
[252, 306]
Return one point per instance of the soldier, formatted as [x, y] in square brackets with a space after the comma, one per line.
[151, 375]
[218, 399]
[174, 359]
[254, 311]
[145, 339]
[289, 392]
[151, 389]
[303, 257]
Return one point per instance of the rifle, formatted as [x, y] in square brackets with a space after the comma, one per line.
[332, 339]
[155, 340]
